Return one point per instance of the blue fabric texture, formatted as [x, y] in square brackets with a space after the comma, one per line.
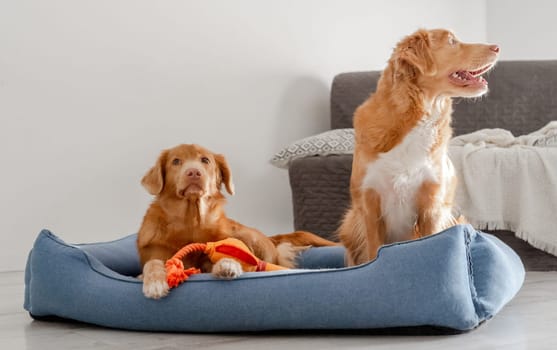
[454, 279]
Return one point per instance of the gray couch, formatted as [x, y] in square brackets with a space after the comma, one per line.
[522, 98]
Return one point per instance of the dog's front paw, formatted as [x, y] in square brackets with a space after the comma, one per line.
[227, 269]
[154, 280]
[155, 289]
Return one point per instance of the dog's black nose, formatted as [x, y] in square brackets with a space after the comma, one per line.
[193, 173]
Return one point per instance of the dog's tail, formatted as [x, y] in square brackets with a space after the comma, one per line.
[302, 239]
[291, 244]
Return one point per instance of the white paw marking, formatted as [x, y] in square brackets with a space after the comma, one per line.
[227, 269]
[155, 289]
[154, 279]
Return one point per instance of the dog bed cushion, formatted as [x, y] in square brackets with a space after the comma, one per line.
[454, 280]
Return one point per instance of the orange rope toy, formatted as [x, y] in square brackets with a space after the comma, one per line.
[227, 248]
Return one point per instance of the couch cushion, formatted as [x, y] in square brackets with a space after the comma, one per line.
[320, 193]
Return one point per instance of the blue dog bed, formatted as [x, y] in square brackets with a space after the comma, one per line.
[453, 280]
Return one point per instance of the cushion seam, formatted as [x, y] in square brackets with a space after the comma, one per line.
[480, 312]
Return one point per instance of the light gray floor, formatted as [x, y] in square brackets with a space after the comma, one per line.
[527, 322]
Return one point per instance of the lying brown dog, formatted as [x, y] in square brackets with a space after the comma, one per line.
[188, 207]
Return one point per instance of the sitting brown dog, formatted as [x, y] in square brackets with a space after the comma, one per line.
[188, 208]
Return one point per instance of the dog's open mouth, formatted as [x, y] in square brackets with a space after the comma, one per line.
[470, 78]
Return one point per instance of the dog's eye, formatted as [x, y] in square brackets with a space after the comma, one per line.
[176, 161]
[205, 160]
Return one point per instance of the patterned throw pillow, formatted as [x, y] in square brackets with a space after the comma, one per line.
[338, 141]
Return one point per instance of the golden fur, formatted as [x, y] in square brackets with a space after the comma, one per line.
[188, 207]
[426, 69]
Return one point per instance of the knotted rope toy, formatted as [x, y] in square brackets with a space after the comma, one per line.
[227, 248]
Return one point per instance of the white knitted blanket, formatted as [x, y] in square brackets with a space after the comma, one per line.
[509, 183]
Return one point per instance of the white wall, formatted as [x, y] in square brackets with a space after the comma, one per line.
[525, 30]
[91, 91]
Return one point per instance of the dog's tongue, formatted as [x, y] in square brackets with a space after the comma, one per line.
[466, 75]
[466, 78]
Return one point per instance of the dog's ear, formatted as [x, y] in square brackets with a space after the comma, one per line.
[413, 55]
[153, 180]
[225, 173]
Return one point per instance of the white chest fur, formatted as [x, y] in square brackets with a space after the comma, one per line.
[397, 175]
